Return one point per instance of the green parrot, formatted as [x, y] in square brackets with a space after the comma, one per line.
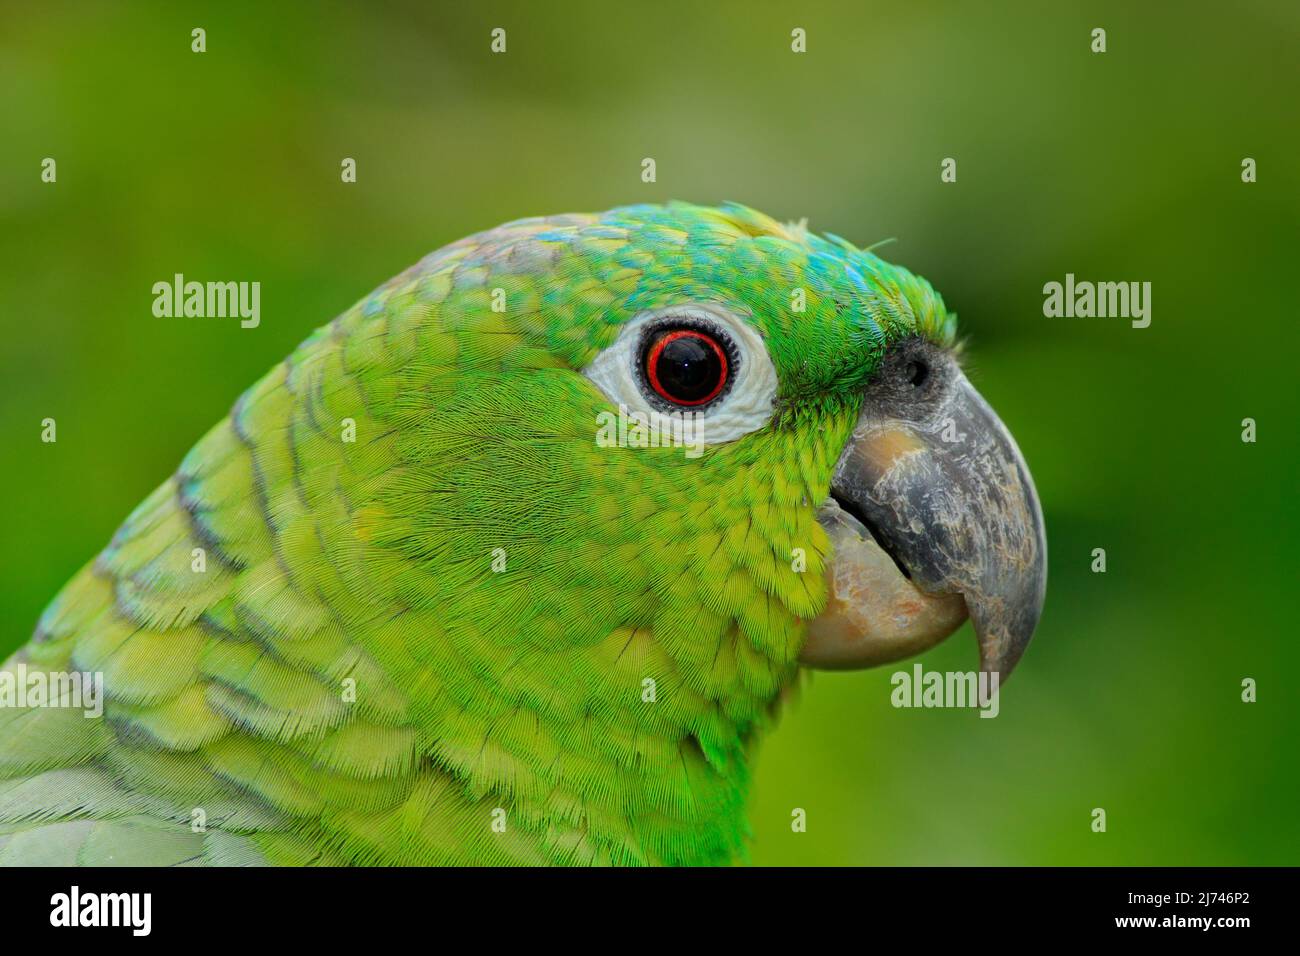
[515, 560]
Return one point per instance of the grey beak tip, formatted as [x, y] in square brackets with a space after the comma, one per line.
[1005, 625]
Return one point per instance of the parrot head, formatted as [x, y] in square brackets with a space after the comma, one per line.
[732, 430]
[705, 448]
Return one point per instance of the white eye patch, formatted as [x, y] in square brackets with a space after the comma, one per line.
[695, 364]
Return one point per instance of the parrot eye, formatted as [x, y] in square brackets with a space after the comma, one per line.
[688, 367]
[697, 361]
[916, 372]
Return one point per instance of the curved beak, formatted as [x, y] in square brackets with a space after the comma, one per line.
[931, 520]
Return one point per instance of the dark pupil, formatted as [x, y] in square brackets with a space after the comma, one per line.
[688, 369]
[916, 372]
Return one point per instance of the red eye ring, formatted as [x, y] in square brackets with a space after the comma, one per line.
[664, 389]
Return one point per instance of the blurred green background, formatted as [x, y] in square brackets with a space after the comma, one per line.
[1117, 166]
